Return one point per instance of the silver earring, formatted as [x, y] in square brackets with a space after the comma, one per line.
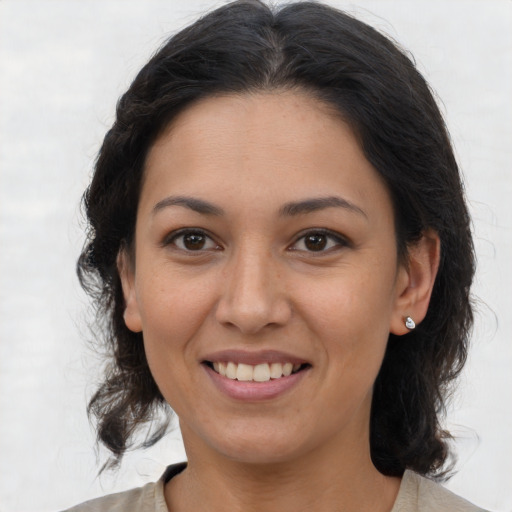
[409, 323]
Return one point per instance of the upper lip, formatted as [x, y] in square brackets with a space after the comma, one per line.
[253, 358]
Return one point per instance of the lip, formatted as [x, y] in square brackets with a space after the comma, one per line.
[255, 391]
[253, 358]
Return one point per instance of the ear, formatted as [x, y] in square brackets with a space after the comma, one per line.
[131, 314]
[415, 281]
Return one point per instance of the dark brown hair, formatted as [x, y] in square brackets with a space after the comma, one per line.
[246, 46]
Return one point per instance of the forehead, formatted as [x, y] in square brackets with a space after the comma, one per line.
[247, 145]
[282, 119]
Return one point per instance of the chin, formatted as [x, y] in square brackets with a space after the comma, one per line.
[247, 444]
[263, 446]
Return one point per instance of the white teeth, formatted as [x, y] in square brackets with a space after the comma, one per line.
[276, 370]
[287, 369]
[261, 373]
[231, 370]
[244, 372]
[258, 373]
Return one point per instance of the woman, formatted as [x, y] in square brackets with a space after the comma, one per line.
[280, 243]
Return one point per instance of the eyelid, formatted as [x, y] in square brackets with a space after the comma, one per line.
[340, 240]
[173, 235]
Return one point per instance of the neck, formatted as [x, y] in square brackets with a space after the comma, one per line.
[326, 480]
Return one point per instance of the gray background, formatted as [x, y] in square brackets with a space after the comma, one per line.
[63, 64]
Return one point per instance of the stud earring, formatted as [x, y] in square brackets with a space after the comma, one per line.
[409, 323]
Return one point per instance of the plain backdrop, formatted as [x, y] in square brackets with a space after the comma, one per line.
[63, 64]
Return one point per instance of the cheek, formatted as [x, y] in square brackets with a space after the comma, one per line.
[350, 319]
[353, 301]
[172, 316]
[172, 311]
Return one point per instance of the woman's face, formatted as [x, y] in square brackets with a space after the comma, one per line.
[264, 244]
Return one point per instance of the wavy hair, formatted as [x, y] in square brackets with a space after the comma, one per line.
[247, 46]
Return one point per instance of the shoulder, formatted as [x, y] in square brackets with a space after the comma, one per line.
[149, 498]
[419, 494]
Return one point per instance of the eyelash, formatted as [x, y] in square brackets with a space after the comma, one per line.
[176, 235]
[335, 239]
[338, 240]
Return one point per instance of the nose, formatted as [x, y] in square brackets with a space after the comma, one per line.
[253, 295]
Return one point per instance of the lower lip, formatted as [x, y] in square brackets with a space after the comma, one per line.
[255, 391]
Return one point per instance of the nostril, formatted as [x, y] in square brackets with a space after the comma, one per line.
[251, 314]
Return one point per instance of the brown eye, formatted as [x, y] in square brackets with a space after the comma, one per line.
[315, 242]
[193, 241]
[319, 241]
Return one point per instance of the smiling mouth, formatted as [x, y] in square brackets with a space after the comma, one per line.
[255, 373]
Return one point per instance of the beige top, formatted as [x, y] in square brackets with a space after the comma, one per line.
[416, 494]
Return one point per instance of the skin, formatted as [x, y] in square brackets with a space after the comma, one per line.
[254, 284]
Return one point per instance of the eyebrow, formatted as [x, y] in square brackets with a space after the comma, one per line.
[320, 203]
[197, 205]
[289, 209]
